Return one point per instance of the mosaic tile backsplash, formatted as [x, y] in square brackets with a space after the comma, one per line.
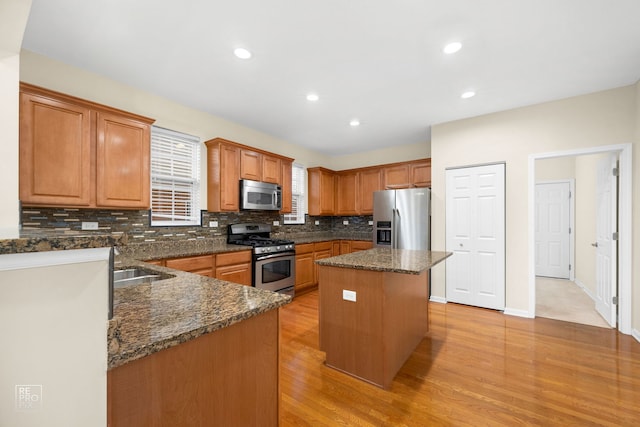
[135, 223]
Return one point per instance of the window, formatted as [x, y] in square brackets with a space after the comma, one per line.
[175, 178]
[298, 199]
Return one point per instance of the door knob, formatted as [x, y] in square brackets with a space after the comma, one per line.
[595, 245]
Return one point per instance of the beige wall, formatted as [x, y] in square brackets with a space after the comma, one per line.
[555, 169]
[603, 118]
[13, 20]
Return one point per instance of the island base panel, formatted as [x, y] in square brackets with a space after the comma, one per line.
[372, 337]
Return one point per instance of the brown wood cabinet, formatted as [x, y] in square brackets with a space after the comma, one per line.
[305, 271]
[369, 183]
[228, 162]
[78, 153]
[396, 177]
[322, 186]
[360, 245]
[320, 250]
[202, 264]
[228, 377]
[347, 192]
[234, 267]
[421, 173]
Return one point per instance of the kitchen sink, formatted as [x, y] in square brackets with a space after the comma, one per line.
[136, 276]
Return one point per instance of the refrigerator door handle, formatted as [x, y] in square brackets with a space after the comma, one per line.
[396, 220]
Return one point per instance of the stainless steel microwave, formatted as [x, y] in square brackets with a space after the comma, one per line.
[258, 195]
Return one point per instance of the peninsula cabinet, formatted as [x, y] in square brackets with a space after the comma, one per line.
[228, 162]
[228, 377]
[76, 153]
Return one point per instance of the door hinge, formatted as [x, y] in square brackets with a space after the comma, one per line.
[614, 236]
[614, 300]
[616, 172]
[569, 230]
[569, 267]
[569, 194]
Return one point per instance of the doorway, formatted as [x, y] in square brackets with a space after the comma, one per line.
[624, 152]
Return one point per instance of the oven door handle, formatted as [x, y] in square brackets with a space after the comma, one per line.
[278, 255]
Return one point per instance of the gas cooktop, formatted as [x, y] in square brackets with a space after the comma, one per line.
[258, 237]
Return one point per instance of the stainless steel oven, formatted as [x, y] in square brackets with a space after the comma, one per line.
[275, 272]
[274, 260]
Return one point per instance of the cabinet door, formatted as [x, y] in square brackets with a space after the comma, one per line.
[321, 191]
[347, 194]
[271, 169]
[286, 187]
[369, 183]
[397, 177]
[360, 245]
[421, 173]
[236, 273]
[202, 265]
[55, 152]
[345, 247]
[250, 165]
[319, 255]
[229, 178]
[122, 162]
[305, 273]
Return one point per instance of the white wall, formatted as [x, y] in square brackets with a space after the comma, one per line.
[13, 20]
[603, 118]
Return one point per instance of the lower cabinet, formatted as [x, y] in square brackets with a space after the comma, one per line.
[204, 381]
[305, 272]
[202, 265]
[234, 267]
[321, 250]
[230, 266]
[360, 245]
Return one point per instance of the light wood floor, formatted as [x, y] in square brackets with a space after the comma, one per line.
[476, 367]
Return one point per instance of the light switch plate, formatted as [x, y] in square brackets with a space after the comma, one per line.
[348, 295]
[213, 224]
[345, 222]
[276, 223]
[88, 225]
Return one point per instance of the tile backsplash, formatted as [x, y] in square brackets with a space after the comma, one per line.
[135, 223]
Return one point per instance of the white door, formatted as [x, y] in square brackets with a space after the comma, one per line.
[475, 223]
[606, 246]
[553, 229]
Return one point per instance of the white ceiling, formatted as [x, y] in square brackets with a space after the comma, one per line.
[378, 61]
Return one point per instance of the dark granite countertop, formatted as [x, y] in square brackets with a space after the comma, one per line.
[152, 317]
[390, 260]
[52, 240]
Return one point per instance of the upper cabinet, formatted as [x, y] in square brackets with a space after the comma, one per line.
[76, 153]
[228, 162]
[322, 191]
[350, 192]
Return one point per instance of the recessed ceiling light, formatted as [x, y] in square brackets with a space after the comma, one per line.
[452, 48]
[468, 94]
[242, 53]
[312, 97]
[354, 122]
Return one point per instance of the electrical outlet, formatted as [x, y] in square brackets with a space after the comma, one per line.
[317, 222]
[86, 225]
[370, 222]
[345, 222]
[276, 223]
[348, 295]
[213, 224]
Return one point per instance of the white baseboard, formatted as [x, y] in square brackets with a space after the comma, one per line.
[585, 289]
[439, 300]
[518, 313]
[636, 334]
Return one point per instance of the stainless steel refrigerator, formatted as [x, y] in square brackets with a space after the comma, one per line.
[401, 219]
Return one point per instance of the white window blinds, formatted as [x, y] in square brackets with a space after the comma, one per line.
[175, 178]
[298, 193]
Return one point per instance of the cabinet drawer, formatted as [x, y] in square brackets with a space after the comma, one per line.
[323, 246]
[360, 245]
[203, 262]
[304, 248]
[230, 258]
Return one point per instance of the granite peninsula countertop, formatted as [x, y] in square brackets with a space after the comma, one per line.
[152, 317]
[389, 260]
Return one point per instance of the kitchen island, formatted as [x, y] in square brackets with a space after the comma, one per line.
[373, 310]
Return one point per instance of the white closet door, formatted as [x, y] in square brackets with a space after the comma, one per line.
[475, 223]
